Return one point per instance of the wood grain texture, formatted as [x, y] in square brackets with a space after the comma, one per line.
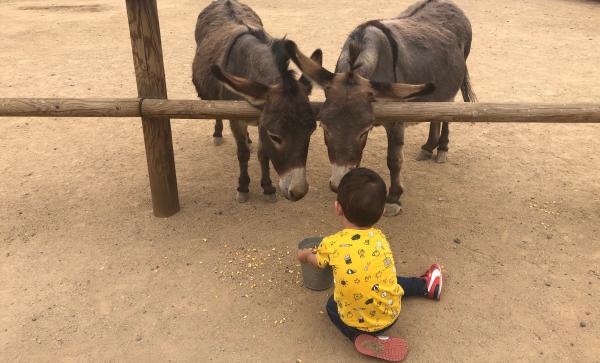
[69, 107]
[146, 47]
[241, 110]
[196, 109]
[395, 111]
[487, 112]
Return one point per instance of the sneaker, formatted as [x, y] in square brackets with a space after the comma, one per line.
[391, 349]
[433, 281]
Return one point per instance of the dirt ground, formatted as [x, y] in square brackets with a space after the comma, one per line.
[88, 274]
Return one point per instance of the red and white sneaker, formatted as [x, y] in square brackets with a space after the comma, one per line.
[433, 281]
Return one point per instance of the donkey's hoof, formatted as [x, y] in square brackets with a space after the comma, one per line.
[424, 155]
[441, 156]
[392, 209]
[218, 141]
[242, 197]
[270, 198]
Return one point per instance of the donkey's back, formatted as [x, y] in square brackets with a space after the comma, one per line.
[434, 41]
[442, 15]
[217, 28]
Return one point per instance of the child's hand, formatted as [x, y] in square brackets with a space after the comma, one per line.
[303, 254]
[308, 255]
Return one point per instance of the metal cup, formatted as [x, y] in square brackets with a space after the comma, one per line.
[315, 278]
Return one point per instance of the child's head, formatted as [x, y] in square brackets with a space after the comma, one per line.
[361, 197]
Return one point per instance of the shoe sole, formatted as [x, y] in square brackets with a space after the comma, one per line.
[391, 349]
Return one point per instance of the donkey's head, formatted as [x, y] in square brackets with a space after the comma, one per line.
[347, 115]
[286, 122]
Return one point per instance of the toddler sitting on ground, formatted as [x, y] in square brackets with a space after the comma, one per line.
[367, 293]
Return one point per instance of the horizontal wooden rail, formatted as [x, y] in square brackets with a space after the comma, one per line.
[70, 107]
[384, 111]
[196, 109]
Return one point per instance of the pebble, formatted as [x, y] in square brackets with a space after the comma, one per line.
[139, 338]
[547, 284]
[583, 324]
[457, 241]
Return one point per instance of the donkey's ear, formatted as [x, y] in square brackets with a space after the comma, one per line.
[310, 67]
[317, 56]
[400, 91]
[305, 82]
[256, 93]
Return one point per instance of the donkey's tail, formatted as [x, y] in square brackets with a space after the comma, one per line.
[466, 89]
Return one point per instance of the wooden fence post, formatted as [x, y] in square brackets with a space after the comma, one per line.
[150, 75]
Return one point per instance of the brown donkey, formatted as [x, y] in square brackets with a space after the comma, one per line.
[426, 45]
[234, 50]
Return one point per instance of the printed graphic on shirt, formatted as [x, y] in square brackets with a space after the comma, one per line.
[366, 290]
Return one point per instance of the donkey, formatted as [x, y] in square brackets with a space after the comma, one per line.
[233, 50]
[426, 45]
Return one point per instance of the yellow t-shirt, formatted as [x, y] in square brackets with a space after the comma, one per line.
[366, 289]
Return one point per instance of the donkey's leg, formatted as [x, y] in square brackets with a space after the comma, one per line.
[239, 130]
[395, 158]
[265, 181]
[442, 153]
[432, 141]
[218, 134]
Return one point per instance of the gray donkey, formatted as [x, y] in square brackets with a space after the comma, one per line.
[426, 45]
[234, 50]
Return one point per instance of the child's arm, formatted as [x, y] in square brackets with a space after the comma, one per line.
[308, 255]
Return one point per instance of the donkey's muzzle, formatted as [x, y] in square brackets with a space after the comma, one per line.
[337, 173]
[293, 184]
[334, 188]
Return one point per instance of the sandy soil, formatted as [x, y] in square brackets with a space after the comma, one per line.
[88, 274]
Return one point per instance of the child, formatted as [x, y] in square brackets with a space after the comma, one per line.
[367, 293]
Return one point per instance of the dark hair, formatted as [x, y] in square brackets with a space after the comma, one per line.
[282, 60]
[362, 194]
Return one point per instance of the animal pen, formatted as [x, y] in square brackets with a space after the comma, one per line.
[156, 110]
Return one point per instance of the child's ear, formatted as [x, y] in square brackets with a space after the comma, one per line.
[338, 209]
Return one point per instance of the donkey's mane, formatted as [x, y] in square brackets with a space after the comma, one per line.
[282, 61]
[280, 55]
[354, 50]
[258, 33]
[357, 39]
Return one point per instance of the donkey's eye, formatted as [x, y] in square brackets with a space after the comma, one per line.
[276, 139]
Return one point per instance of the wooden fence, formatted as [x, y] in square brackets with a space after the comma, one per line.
[241, 110]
